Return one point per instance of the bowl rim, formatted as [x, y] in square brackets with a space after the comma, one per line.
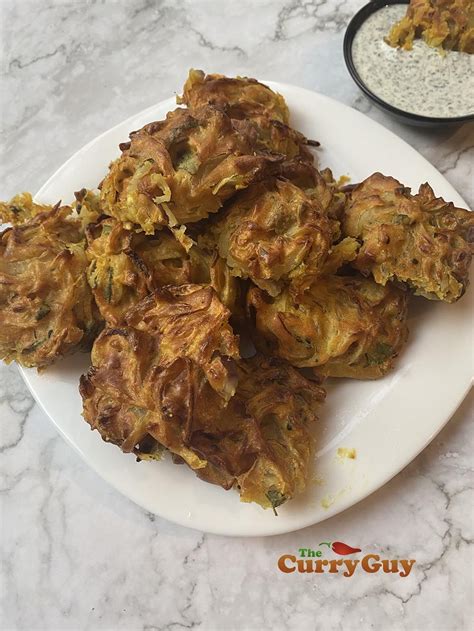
[352, 28]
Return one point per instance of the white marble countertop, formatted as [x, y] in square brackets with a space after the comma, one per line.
[75, 553]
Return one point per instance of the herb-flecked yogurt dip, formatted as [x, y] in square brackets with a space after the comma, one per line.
[421, 81]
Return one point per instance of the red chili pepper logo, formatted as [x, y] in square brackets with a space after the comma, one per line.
[339, 547]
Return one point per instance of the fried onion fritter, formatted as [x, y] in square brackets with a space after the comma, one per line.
[343, 326]
[262, 443]
[191, 322]
[251, 103]
[275, 234]
[241, 97]
[126, 266]
[447, 24]
[321, 186]
[164, 380]
[21, 209]
[46, 306]
[419, 240]
[278, 138]
[182, 169]
[176, 339]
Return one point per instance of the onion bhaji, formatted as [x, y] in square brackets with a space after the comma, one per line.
[192, 323]
[252, 103]
[46, 306]
[182, 169]
[275, 234]
[447, 24]
[241, 97]
[252, 106]
[329, 194]
[172, 376]
[419, 240]
[125, 266]
[282, 407]
[343, 326]
[20, 209]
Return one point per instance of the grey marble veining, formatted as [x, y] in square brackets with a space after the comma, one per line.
[76, 554]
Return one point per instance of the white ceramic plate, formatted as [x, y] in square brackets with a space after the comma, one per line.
[388, 421]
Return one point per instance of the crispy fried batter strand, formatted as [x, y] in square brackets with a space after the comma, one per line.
[88, 207]
[46, 306]
[343, 326]
[419, 240]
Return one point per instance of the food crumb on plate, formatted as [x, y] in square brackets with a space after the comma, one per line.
[345, 452]
[329, 499]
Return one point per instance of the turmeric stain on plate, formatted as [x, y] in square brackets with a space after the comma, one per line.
[346, 453]
[329, 499]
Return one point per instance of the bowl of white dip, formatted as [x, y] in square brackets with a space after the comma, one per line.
[422, 86]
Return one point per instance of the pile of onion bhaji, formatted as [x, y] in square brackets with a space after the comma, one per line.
[214, 226]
